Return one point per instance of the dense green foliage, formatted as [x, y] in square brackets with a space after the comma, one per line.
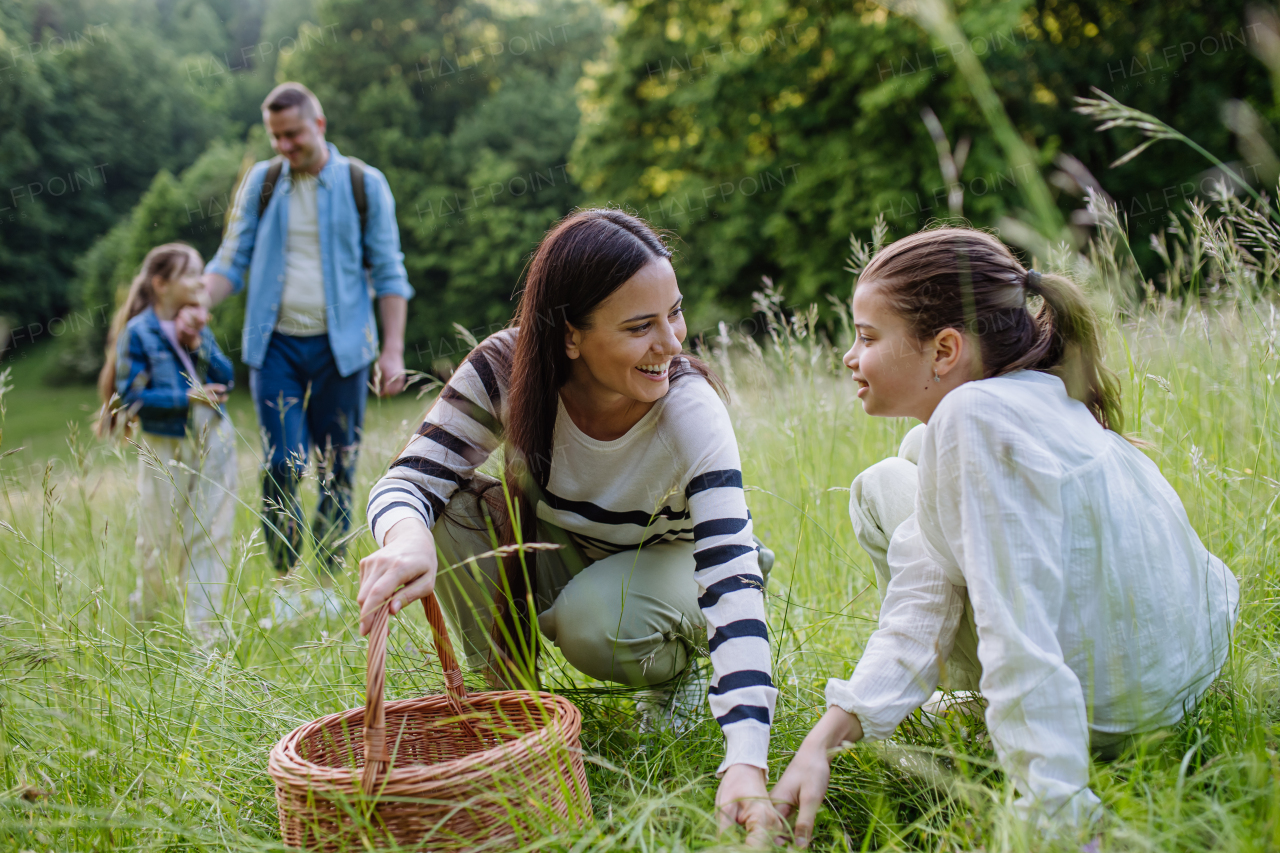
[98, 97]
[470, 113]
[761, 134]
[764, 133]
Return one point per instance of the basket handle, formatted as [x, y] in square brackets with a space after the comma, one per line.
[377, 759]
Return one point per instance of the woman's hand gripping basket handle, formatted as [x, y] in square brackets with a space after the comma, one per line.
[377, 756]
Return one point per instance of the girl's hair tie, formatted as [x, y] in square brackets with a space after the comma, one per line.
[1032, 282]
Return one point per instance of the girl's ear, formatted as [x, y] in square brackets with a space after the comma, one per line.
[572, 340]
[157, 283]
[948, 351]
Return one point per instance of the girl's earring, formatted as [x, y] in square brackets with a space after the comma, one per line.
[936, 377]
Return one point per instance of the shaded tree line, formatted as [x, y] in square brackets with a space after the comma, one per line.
[761, 133]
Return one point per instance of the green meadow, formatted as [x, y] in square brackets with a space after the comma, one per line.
[115, 739]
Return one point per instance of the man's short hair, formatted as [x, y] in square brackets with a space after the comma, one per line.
[286, 96]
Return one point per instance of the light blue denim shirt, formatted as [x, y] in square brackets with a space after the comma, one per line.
[259, 247]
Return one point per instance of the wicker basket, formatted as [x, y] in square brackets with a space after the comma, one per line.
[449, 772]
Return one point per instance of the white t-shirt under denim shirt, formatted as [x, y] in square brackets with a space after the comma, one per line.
[302, 302]
[1097, 607]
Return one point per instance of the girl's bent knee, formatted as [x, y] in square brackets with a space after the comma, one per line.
[880, 490]
[912, 442]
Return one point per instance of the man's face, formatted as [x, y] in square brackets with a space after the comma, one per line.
[298, 138]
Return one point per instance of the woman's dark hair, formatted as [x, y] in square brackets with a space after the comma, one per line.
[582, 261]
[965, 279]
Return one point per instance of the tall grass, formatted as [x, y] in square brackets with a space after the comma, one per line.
[115, 739]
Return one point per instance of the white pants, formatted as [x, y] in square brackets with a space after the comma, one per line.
[881, 498]
[186, 507]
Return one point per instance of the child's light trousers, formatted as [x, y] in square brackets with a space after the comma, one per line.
[186, 507]
[881, 498]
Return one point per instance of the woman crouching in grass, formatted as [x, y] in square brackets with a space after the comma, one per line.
[618, 449]
[1032, 551]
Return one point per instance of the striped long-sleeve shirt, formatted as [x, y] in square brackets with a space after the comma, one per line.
[675, 475]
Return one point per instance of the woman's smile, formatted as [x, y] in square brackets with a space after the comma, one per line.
[656, 372]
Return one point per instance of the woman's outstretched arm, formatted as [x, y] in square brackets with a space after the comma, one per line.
[457, 436]
[727, 570]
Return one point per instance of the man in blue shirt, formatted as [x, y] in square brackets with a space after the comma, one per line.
[316, 236]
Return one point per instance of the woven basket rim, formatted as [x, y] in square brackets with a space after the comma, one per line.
[431, 791]
[484, 761]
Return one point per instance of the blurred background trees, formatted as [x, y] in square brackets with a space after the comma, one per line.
[761, 133]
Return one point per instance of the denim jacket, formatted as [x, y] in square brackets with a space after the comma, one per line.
[258, 248]
[150, 378]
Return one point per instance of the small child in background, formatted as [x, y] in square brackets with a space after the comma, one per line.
[164, 368]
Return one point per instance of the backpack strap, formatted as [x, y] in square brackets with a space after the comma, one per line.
[269, 184]
[362, 200]
[357, 190]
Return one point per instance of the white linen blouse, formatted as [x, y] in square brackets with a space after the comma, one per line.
[1097, 607]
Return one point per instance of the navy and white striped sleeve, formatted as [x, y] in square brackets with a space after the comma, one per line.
[727, 569]
[459, 432]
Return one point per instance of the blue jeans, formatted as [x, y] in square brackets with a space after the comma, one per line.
[303, 402]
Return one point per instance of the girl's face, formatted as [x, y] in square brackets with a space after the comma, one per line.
[184, 289]
[634, 334]
[193, 317]
[893, 369]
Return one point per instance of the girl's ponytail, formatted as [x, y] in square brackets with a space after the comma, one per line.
[962, 278]
[168, 261]
[1073, 347]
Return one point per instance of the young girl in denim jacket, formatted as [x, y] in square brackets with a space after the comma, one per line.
[1023, 547]
[165, 370]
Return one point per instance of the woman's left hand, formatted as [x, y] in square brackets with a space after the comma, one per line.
[743, 798]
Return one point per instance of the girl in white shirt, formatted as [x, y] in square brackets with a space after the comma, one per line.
[1033, 531]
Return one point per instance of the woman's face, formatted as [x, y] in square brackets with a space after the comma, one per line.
[632, 338]
[893, 369]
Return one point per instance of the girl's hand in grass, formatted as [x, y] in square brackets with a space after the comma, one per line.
[209, 394]
[744, 798]
[404, 567]
[800, 790]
